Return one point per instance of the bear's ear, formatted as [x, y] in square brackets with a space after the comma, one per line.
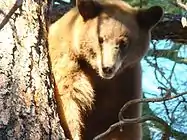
[88, 9]
[147, 18]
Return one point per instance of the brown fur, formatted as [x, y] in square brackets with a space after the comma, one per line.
[88, 99]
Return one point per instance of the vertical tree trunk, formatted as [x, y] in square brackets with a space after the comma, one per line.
[27, 106]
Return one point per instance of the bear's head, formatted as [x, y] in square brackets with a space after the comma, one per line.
[113, 35]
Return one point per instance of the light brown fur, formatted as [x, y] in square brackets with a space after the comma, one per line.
[88, 99]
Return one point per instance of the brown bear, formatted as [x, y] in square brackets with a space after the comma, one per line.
[95, 51]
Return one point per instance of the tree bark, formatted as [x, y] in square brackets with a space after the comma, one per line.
[27, 106]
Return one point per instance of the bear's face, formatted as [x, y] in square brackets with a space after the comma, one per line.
[115, 39]
[117, 35]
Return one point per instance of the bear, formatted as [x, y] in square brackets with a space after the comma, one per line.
[95, 51]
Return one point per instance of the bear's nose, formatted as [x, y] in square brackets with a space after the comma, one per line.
[108, 70]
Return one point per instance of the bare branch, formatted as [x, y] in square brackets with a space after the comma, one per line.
[123, 121]
[11, 12]
[143, 119]
[182, 5]
[136, 101]
[169, 54]
[157, 68]
[170, 28]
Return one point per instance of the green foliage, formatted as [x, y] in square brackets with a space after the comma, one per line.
[169, 6]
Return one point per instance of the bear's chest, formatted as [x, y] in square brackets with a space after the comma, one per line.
[110, 96]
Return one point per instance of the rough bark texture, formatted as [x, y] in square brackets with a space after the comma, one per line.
[27, 106]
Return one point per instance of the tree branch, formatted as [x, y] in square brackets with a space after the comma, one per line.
[123, 121]
[170, 28]
[147, 100]
[182, 5]
[169, 54]
[143, 119]
[11, 12]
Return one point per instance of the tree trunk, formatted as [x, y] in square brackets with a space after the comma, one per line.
[27, 106]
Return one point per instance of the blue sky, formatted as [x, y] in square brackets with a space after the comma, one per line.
[179, 82]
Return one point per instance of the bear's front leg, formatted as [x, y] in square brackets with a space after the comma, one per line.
[74, 96]
[70, 116]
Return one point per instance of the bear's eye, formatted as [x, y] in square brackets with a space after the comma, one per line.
[123, 45]
[100, 40]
